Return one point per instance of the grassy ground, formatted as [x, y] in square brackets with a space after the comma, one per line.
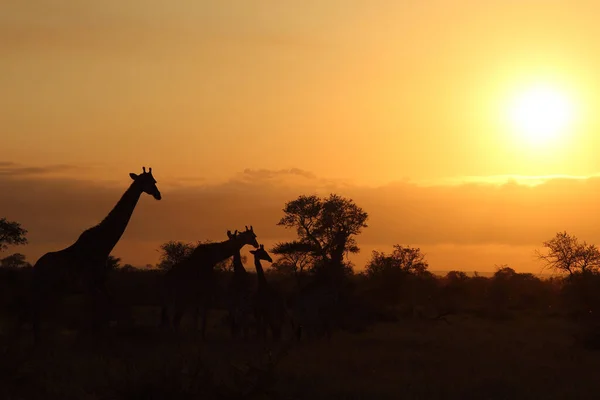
[526, 357]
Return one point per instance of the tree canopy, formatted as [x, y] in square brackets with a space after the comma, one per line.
[326, 229]
[565, 253]
[11, 233]
[113, 262]
[173, 252]
[403, 260]
[16, 260]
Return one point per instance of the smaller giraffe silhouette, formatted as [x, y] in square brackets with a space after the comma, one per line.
[239, 300]
[192, 282]
[83, 265]
[270, 308]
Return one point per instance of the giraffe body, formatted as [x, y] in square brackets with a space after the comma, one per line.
[191, 282]
[81, 267]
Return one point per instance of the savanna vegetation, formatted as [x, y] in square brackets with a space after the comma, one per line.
[398, 330]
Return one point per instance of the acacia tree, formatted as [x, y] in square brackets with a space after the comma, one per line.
[326, 230]
[565, 253]
[112, 262]
[173, 252]
[456, 276]
[397, 275]
[294, 258]
[16, 260]
[402, 261]
[11, 233]
[128, 267]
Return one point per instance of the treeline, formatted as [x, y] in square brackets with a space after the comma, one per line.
[391, 286]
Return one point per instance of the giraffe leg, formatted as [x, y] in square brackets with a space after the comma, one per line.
[258, 327]
[233, 323]
[100, 310]
[204, 320]
[42, 303]
[276, 331]
[262, 328]
[177, 315]
[38, 301]
[164, 317]
[328, 330]
[246, 328]
[36, 320]
[195, 318]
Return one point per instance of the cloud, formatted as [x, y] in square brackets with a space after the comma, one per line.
[264, 174]
[459, 224]
[113, 27]
[14, 169]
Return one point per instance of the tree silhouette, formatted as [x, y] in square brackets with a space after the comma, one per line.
[11, 233]
[403, 260]
[113, 262]
[325, 227]
[295, 258]
[567, 254]
[16, 260]
[398, 275]
[456, 276]
[504, 272]
[173, 252]
[128, 267]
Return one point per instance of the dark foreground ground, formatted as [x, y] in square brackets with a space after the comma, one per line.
[525, 357]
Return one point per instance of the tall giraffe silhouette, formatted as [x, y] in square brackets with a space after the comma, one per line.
[270, 308]
[83, 264]
[191, 281]
[239, 296]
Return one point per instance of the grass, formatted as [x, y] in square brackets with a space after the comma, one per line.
[524, 357]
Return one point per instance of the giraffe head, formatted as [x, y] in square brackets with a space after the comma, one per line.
[262, 254]
[146, 182]
[246, 237]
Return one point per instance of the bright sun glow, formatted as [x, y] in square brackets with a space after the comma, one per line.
[541, 114]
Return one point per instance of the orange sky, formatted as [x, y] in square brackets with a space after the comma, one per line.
[360, 95]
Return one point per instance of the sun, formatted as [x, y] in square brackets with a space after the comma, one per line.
[541, 114]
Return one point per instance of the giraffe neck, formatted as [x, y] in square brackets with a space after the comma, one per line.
[102, 238]
[238, 267]
[260, 273]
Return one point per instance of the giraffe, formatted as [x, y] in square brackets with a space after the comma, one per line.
[191, 281]
[270, 308]
[240, 302]
[83, 264]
